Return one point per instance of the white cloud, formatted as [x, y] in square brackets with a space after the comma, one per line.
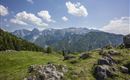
[76, 9]
[45, 16]
[3, 10]
[16, 21]
[118, 26]
[64, 18]
[24, 18]
[30, 1]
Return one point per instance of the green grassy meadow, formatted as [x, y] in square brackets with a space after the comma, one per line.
[14, 65]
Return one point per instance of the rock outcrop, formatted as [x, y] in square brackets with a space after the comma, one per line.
[46, 72]
[126, 41]
[107, 60]
[113, 52]
[110, 52]
[105, 67]
[84, 55]
[103, 72]
[69, 57]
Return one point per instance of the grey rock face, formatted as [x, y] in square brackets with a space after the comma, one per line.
[105, 67]
[103, 71]
[46, 72]
[126, 41]
[106, 61]
[124, 69]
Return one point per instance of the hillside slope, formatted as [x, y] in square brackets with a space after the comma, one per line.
[14, 65]
[11, 42]
[89, 41]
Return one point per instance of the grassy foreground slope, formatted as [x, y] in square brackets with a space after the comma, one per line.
[14, 65]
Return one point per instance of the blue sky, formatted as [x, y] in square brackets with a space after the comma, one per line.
[99, 14]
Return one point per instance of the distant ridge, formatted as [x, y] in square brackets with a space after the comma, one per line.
[71, 39]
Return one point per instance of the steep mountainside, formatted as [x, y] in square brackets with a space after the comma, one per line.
[58, 33]
[92, 40]
[70, 39]
[11, 42]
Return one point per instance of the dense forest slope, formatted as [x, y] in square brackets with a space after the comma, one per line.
[11, 42]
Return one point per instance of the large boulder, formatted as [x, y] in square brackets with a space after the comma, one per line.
[107, 60]
[105, 68]
[126, 41]
[84, 55]
[103, 71]
[46, 72]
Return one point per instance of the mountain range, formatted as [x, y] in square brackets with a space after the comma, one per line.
[70, 39]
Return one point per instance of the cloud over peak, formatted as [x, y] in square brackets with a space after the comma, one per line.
[76, 9]
[45, 16]
[118, 26]
[3, 10]
[24, 18]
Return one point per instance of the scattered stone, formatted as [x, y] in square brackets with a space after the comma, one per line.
[103, 52]
[68, 57]
[46, 72]
[84, 55]
[109, 52]
[128, 66]
[10, 50]
[98, 49]
[73, 61]
[31, 68]
[124, 69]
[61, 68]
[109, 46]
[113, 52]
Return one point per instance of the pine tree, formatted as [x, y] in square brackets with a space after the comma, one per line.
[49, 50]
[11, 42]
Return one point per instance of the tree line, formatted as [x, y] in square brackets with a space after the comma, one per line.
[11, 42]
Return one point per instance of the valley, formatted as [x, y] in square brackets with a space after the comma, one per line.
[64, 39]
[23, 60]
